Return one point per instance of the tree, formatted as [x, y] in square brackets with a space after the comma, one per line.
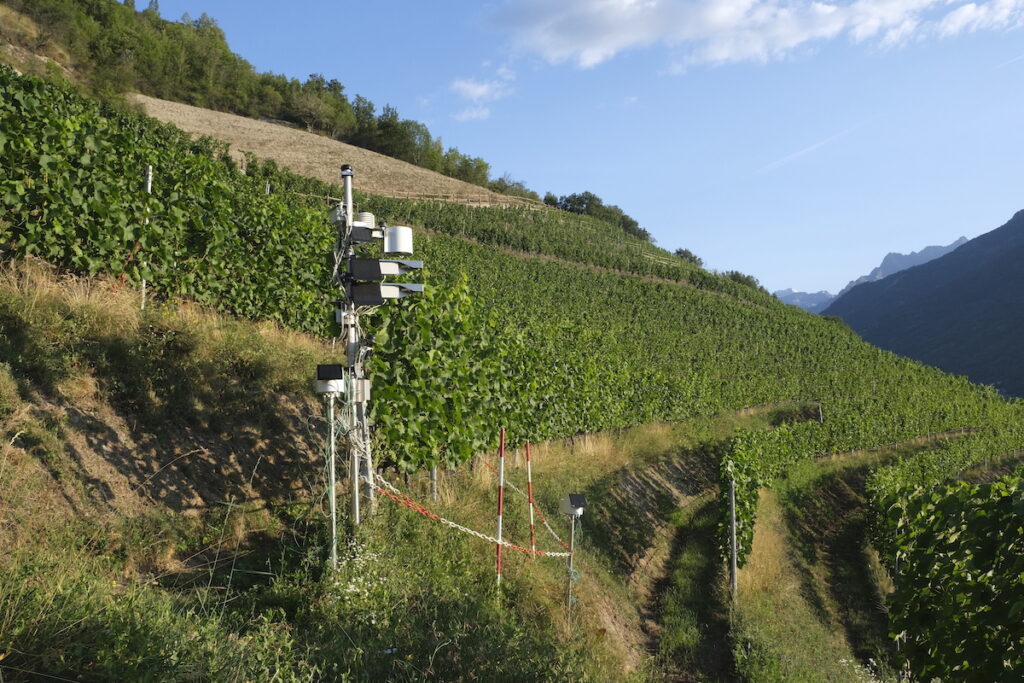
[365, 133]
[393, 138]
[589, 204]
[744, 279]
[516, 188]
[688, 255]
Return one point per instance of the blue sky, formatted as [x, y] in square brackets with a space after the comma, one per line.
[798, 141]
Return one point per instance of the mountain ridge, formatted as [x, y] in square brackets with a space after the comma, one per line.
[892, 263]
[952, 311]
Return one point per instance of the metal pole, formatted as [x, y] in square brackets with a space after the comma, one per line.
[501, 497]
[529, 496]
[149, 190]
[346, 178]
[732, 537]
[821, 418]
[354, 443]
[572, 553]
[351, 351]
[332, 488]
[433, 483]
[370, 484]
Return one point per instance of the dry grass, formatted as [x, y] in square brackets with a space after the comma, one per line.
[102, 304]
[785, 636]
[769, 568]
[27, 49]
[81, 437]
[316, 156]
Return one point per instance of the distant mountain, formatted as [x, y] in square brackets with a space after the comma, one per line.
[813, 302]
[962, 312]
[892, 263]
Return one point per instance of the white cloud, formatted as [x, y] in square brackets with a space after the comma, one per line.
[472, 114]
[506, 74]
[477, 92]
[488, 90]
[987, 16]
[589, 32]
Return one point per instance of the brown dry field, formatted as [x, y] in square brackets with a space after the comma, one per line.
[316, 156]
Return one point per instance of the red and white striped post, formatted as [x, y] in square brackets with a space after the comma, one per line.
[501, 496]
[529, 496]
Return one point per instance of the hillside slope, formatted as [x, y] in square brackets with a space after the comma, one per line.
[963, 313]
[316, 156]
[161, 489]
[525, 325]
[597, 350]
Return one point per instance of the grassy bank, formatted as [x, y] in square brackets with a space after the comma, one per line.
[162, 516]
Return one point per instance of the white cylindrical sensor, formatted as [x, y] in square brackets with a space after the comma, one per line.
[397, 239]
[368, 218]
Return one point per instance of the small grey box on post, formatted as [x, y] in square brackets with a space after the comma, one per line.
[329, 379]
[573, 504]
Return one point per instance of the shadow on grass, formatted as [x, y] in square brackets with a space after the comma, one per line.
[829, 520]
[186, 427]
[628, 507]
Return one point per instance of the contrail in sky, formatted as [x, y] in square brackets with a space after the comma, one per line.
[806, 150]
[1009, 62]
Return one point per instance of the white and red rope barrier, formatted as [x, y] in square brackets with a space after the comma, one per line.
[385, 488]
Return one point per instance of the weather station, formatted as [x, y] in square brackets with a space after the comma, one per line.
[361, 282]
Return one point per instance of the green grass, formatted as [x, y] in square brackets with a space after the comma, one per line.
[412, 600]
[811, 600]
[778, 635]
[694, 608]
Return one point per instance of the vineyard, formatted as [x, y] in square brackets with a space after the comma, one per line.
[551, 325]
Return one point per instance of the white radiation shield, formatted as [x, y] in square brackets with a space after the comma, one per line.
[397, 240]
